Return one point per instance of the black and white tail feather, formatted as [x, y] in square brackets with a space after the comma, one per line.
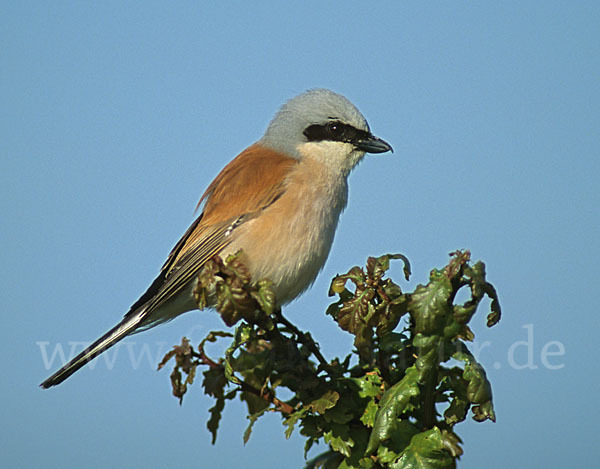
[127, 326]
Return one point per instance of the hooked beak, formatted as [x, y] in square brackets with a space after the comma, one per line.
[374, 144]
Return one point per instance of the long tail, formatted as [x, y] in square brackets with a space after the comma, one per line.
[124, 328]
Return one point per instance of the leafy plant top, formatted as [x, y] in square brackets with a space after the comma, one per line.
[378, 406]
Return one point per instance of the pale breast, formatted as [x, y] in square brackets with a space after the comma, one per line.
[290, 240]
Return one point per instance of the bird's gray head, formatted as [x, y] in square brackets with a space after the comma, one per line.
[321, 122]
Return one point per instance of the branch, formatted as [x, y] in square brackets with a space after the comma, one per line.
[305, 339]
[268, 396]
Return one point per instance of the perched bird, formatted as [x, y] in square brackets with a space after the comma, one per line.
[279, 201]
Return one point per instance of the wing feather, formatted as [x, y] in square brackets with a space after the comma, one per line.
[247, 185]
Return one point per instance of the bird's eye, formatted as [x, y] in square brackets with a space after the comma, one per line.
[336, 130]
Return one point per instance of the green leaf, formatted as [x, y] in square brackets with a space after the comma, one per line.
[480, 287]
[426, 451]
[406, 269]
[428, 358]
[207, 281]
[403, 434]
[369, 385]
[236, 268]
[215, 417]
[214, 382]
[494, 316]
[356, 275]
[479, 389]
[457, 264]
[253, 418]
[392, 342]
[327, 460]
[265, 296]
[338, 285]
[370, 413]
[393, 291]
[451, 443]
[377, 266]
[230, 301]
[459, 403]
[338, 438]
[326, 401]
[343, 412]
[393, 403]
[430, 304]
[243, 333]
[333, 309]
[291, 420]
[399, 441]
[352, 316]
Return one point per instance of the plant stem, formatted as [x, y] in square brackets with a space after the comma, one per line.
[304, 338]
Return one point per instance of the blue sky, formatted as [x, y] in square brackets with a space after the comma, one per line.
[115, 117]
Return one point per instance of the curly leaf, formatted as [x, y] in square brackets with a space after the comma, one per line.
[430, 304]
[352, 316]
[207, 281]
[451, 443]
[234, 267]
[494, 316]
[356, 275]
[377, 266]
[480, 287]
[338, 285]
[426, 451]
[479, 389]
[457, 263]
[231, 299]
[394, 402]
[459, 403]
[213, 336]
[265, 296]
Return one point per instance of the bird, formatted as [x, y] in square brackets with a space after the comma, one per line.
[277, 203]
